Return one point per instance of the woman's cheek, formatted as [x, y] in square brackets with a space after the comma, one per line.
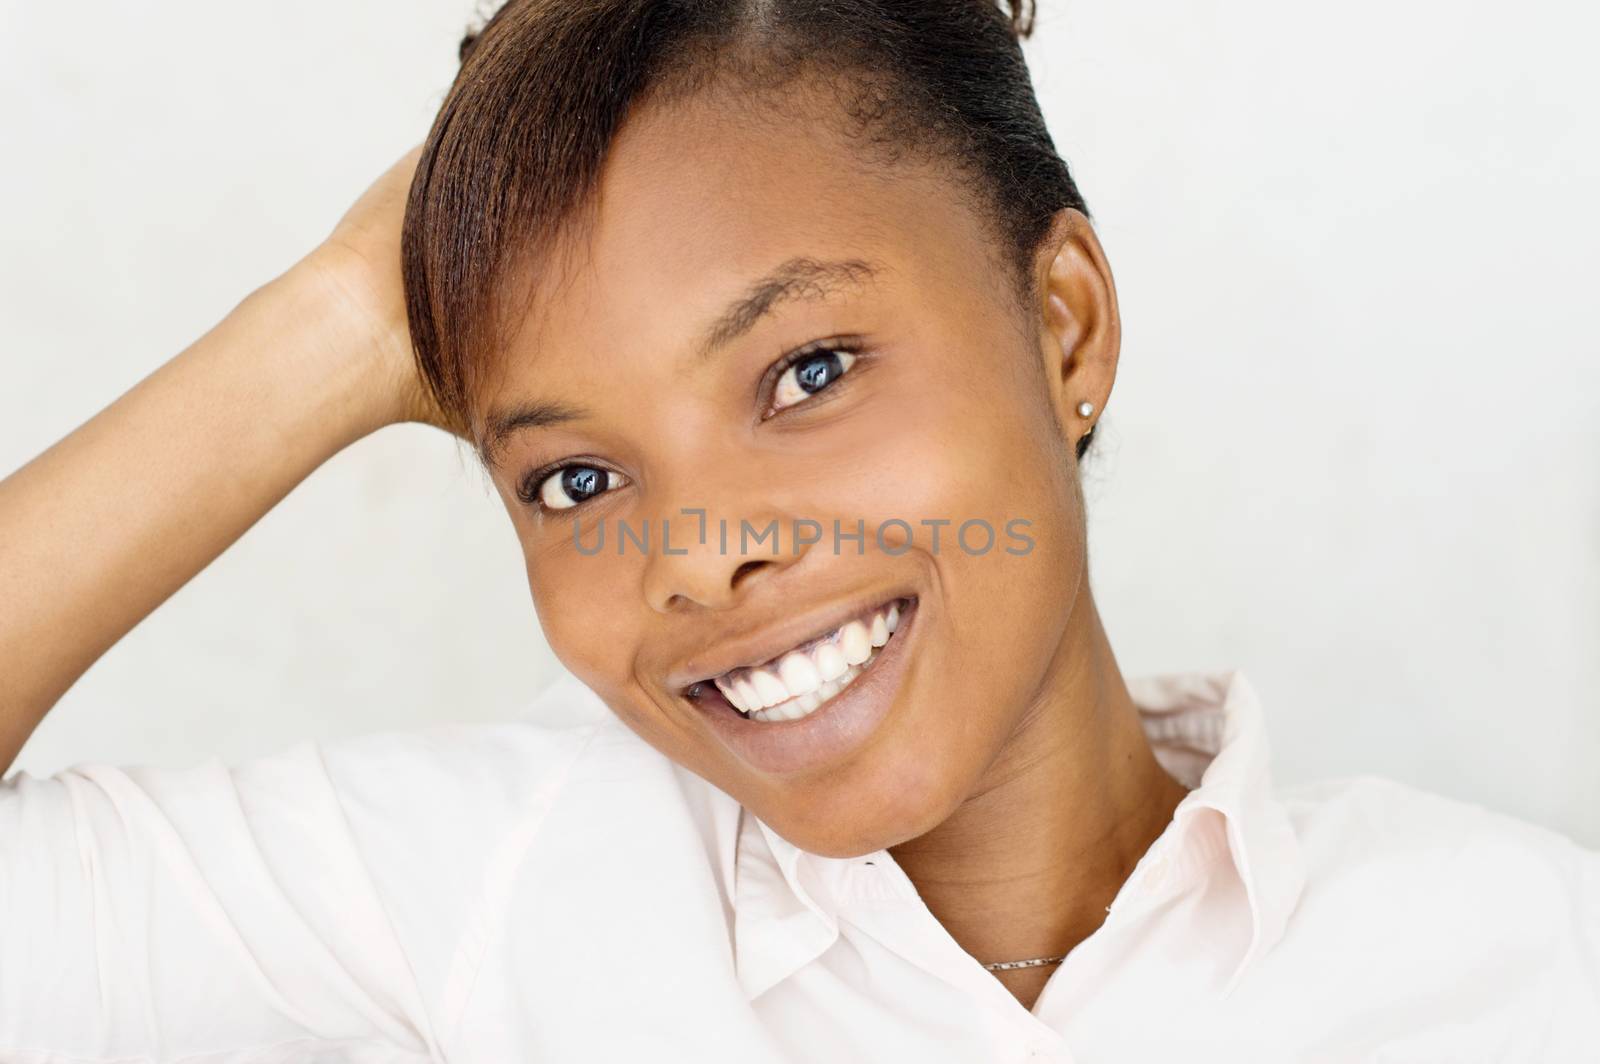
[574, 599]
[908, 468]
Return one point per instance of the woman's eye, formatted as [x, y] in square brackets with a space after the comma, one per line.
[570, 485]
[808, 375]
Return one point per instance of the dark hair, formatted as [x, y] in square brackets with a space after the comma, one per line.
[517, 148]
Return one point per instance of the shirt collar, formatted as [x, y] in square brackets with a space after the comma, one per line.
[1206, 730]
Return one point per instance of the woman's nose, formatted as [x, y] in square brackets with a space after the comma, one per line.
[713, 561]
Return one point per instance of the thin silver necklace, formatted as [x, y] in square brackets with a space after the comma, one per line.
[1032, 962]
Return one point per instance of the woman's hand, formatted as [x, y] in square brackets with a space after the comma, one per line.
[359, 267]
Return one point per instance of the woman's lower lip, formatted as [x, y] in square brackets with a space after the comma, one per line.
[834, 728]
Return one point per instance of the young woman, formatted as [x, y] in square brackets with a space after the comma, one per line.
[782, 330]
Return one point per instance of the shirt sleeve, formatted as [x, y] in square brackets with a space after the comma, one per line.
[319, 895]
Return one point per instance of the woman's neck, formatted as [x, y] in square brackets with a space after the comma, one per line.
[1026, 866]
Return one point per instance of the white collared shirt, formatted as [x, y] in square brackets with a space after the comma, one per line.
[562, 892]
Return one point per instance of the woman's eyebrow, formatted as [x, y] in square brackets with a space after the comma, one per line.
[501, 424]
[801, 277]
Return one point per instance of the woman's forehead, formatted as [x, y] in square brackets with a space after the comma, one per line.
[694, 209]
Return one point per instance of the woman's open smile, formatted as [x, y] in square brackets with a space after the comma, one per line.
[818, 700]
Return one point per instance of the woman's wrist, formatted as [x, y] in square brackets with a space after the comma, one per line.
[351, 359]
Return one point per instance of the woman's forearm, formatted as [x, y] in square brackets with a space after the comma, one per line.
[100, 529]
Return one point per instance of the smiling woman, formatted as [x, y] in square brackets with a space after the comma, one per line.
[782, 331]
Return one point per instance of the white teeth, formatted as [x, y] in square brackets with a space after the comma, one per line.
[731, 693]
[853, 642]
[748, 694]
[799, 675]
[800, 681]
[795, 708]
[769, 687]
[830, 663]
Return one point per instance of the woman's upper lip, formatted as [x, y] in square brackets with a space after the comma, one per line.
[761, 645]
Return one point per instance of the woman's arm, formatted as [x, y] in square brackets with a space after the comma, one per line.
[100, 529]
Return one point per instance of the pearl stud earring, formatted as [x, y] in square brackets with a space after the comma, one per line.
[1085, 408]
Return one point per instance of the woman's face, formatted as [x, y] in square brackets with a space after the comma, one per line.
[886, 384]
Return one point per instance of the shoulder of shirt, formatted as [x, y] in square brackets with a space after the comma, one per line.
[1387, 810]
[1444, 859]
[554, 728]
[472, 781]
[482, 764]
[499, 776]
[413, 829]
[442, 792]
[443, 816]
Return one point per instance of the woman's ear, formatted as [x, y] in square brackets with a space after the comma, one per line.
[1082, 332]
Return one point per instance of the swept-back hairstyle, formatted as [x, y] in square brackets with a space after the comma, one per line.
[518, 146]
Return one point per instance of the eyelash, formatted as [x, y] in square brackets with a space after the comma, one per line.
[528, 488]
[769, 383]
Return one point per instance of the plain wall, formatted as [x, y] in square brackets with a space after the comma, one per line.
[1354, 446]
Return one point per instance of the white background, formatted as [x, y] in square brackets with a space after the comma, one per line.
[1354, 447]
